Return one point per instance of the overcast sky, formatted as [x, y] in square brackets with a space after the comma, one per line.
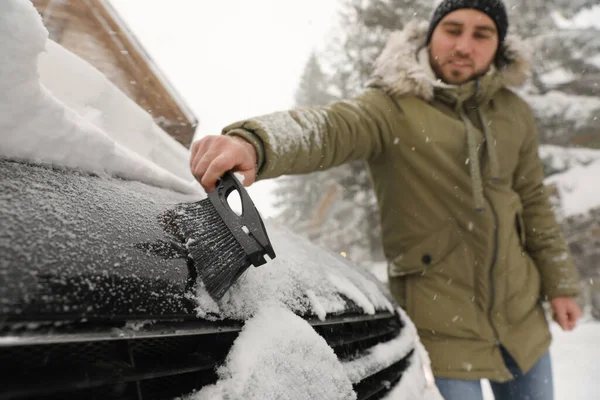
[231, 59]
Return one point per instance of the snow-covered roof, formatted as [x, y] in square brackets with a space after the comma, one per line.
[95, 31]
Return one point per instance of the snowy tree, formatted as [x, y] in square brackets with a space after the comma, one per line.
[317, 203]
[312, 89]
[337, 208]
[564, 90]
[298, 196]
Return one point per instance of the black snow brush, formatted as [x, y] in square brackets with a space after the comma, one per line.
[221, 243]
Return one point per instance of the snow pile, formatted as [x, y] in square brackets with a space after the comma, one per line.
[37, 126]
[279, 356]
[303, 277]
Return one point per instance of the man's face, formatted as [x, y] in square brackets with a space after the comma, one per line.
[463, 46]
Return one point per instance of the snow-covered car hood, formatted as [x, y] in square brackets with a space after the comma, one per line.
[78, 242]
[75, 245]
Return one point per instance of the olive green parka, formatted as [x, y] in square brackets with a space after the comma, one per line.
[472, 242]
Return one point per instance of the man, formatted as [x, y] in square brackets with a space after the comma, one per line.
[472, 242]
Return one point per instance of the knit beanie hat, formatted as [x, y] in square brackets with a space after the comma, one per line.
[493, 8]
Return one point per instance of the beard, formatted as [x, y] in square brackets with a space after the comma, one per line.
[456, 76]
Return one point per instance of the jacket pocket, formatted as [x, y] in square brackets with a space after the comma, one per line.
[434, 281]
[426, 252]
[517, 207]
[520, 227]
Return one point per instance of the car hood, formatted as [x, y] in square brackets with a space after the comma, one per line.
[77, 246]
[74, 245]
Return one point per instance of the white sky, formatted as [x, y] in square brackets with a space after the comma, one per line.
[231, 59]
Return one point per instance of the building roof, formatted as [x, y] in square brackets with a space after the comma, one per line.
[94, 30]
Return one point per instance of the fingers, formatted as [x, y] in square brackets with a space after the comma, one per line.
[216, 168]
[573, 314]
[560, 316]
[212, 156]
[566, 313]
[249, 176]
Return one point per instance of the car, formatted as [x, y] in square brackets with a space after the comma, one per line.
[96, 300]
[99, 299]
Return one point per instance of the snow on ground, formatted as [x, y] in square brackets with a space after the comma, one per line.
[38, 126]
[576, 358]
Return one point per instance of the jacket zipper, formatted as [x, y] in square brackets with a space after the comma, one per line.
[492, 287]
[495, 253]
[492, 265]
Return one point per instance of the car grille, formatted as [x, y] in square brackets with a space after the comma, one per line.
[162, 362]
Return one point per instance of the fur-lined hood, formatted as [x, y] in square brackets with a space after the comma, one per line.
[399, 72]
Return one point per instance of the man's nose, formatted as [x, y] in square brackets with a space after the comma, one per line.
[464, 46]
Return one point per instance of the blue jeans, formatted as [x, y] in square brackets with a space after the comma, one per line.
[536, 384]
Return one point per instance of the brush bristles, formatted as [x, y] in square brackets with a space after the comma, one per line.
[219, 258]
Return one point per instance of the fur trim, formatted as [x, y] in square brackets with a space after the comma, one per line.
[398, 71]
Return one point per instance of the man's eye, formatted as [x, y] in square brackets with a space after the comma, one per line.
[453, 32]
[482, 36]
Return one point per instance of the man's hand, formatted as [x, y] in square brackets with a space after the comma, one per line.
[566, 312]
[212, 156]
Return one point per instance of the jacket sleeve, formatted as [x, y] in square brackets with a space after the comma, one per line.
[309, 139]
[544, 241]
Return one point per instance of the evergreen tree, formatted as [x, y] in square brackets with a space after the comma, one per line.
[298, 196]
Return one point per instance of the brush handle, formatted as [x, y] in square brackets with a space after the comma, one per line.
[255, 240]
